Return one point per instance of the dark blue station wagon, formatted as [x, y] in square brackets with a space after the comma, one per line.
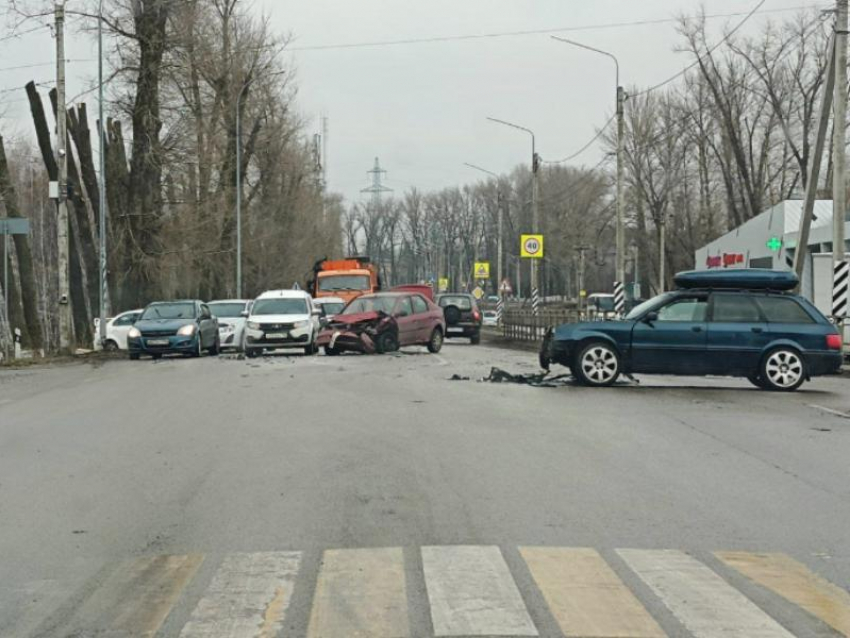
[742, 323]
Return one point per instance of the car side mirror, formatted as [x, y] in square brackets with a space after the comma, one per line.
[317, 312]
[650, 317]
[244, 313]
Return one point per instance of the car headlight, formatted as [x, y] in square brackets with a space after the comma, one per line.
[301, 324]
[187, 331]
[253, 325]
[134, 333]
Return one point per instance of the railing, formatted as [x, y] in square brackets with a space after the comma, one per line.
[522, 325]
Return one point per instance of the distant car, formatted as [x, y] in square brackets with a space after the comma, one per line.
[490, 318]
[116, 331]
[463, 317]
[741, 322]
[281, 319]
[174, 327]
[231, 321]
[329, 307]
[385, 322]
[600, 305]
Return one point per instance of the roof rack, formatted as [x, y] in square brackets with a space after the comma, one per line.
[752, 279]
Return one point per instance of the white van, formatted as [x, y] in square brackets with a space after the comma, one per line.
[281, 319]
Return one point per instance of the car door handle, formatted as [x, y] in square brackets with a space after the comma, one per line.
[757, 330]
[696, 328]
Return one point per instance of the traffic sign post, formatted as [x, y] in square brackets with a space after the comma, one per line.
[478, 292]
[482, 270]
[443, 284]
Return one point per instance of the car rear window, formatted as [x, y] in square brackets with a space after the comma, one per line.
[783, 310]
[735, 308]
[463, 303]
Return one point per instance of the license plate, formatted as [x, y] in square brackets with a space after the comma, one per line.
[158, 342]
[455, 329]
[276, 335]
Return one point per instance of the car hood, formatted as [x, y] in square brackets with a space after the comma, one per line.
[162, 324]
[235, 322]
[358, 317]
[573, 331]
[279, 318]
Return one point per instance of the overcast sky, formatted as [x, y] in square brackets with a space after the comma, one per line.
[421, 107]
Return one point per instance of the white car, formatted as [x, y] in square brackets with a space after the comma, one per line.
[490, 318]
[281, 319]
[231, 321]
[330, 306]
[116, 331]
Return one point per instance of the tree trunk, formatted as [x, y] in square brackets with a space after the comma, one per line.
[31, 326]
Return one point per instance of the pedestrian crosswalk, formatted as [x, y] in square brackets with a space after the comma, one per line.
[455, 591]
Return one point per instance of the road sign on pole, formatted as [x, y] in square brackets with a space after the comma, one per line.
[443, 284]
[505, 287]
[478, 292]
[531, 246]
[482, 269]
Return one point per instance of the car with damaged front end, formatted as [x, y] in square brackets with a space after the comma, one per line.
[384, 322]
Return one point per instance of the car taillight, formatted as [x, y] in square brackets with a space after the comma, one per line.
[834, 342]
[476, 315]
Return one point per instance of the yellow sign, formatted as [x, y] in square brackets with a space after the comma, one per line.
[531, 246]
[482, 270]
[582, 293]
[478, 292]
[443, 284]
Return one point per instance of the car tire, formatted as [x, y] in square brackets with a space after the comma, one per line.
[475, 339]
[251, 353]
[597, 364]
[756, 380]
[135, 356]
[110, 346]
[544, 357]
[311, 349]
[199, 348]
[386, 342]
[331, 352]
[782, 370]
[435, 343]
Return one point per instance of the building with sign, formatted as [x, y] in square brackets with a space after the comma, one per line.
[769, 240]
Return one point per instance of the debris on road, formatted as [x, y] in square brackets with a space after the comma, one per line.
[457, 377]
[537, 380]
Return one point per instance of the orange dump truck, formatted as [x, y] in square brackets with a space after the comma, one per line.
[345, 278]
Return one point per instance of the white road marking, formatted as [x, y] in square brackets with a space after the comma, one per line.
[472, 593]
[706, 605]
[360, 593]
[247, 598]
[440, 360]
[822, 408]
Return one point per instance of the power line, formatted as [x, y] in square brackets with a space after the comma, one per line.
[20, 33]
[33, 66]
[508, 34]
[586, 146]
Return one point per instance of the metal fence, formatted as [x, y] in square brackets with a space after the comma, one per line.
[522, 325]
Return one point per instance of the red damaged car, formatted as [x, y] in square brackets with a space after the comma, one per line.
[384, 322]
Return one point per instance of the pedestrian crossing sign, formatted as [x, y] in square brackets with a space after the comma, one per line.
[443, 284]
[482, 269]
[531, 246]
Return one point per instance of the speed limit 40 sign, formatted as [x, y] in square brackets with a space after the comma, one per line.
[531, 246]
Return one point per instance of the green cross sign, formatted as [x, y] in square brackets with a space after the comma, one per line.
[774, 244]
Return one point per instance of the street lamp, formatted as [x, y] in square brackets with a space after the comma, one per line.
[621, 98]
[535, 164]
[499, 244]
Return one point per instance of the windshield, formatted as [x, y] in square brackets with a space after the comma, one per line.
[370, 304]
[640, 309]
[180, 310]
[602, 303]
[279, 307]
[344, 282]
[227, 309]
[333, 308]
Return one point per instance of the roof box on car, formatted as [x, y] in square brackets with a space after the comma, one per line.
[739, 278]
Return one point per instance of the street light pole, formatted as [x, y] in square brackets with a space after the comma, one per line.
[102, 181]
[621, 98]
[499, 238]
[535, 221]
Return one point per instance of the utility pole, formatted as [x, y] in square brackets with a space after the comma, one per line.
[839, 182]
[62, 200]
[662, 253]
[581, 268]
[621, 233]
[102, 181]
[239, 187]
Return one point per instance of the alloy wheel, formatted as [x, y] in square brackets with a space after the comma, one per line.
[599, 364]
[784, 369]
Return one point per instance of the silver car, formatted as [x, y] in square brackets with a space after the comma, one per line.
[231, 314]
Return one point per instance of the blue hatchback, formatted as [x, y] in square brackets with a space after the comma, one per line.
[742, 323]
[174, 327]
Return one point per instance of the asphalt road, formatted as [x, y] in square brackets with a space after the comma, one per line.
[374, 496]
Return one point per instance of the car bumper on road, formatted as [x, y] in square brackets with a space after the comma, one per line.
[346, 341]
[256, 340]
[174, 344]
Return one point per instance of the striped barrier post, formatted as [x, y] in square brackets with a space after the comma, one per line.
[500, 308]
[535, 302]
[841, 278]
[619, 297]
